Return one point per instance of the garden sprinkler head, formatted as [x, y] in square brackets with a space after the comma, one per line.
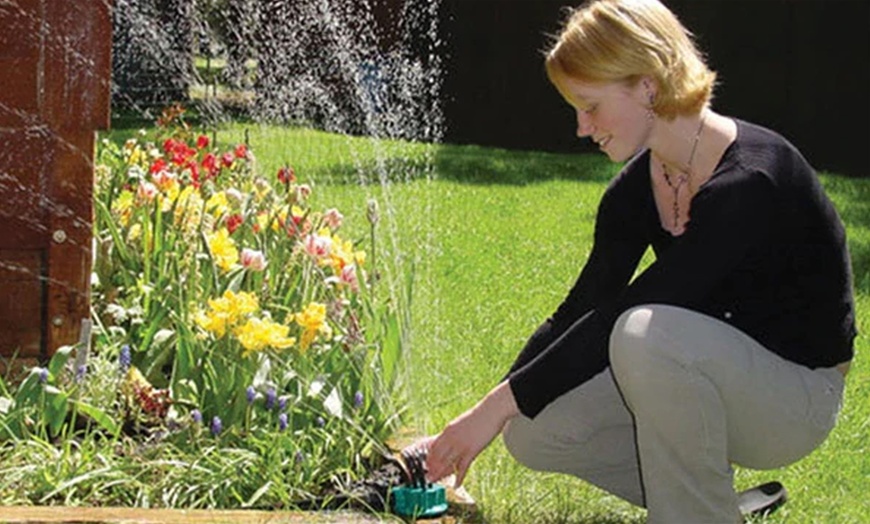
[415, 461]
[418, 498]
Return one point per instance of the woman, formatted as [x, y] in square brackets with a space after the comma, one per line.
[731, 348]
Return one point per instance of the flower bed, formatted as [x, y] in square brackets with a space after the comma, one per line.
[241, 354]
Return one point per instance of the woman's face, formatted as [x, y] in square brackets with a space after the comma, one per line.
[613, 115]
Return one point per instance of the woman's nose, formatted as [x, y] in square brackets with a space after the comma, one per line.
[584, 124]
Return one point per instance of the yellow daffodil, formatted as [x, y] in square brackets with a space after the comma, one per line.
[297, 213]
[133, 153]
[223, 249]
[258, 334]
[313, 322]
[135, 233]
[262, 221]
[172, 190]
[188, 209]
[123, 207]
[211, 322]
[342, 254]
[218, 204]
[137, 157]
[281, 217]
[261, 189]
[227, 311]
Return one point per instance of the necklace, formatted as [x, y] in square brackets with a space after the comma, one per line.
[683, 178]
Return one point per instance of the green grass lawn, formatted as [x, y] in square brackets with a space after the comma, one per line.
[496, 238]
[509, 248]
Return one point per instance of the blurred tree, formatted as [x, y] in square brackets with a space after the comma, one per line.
[237, 30]
[152, 53]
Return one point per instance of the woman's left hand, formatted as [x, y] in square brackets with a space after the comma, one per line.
[455, 448]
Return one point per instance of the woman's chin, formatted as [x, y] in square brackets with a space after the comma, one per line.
[615, 157]
[619, 156]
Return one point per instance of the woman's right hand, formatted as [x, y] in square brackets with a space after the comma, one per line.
[454, 449]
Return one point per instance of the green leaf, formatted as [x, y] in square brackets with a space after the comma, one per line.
[119, 244]
[56, 407]
[257, 494]
[30, 389]
[99, 416]
[391, 350]
[71, 483]
[58, 361]
[185, 361]
[236, 276]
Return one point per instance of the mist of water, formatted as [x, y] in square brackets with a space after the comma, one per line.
[366, 70]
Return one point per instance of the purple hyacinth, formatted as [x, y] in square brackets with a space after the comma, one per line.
[358, 400]
[282, 421]
[282, 403]
[216, 426]
[43, 375]
[124, 359]
[250, 394]
[320, 422]
[271, 396]
[81, 371]
[196, 415]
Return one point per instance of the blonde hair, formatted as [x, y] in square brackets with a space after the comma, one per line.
[606, 41]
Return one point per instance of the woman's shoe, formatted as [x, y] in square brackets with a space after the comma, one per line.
[763, 499]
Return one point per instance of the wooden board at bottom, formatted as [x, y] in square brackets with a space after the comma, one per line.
[59, 515]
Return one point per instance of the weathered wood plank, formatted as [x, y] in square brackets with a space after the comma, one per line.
[70, 222]
[19, 61]
[26, 157]
[77, 46]
[21, 302]
[57, 515]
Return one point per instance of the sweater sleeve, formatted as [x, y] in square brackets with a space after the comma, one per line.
[728, 217]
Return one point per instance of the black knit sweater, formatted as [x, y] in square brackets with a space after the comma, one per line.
[764, 251]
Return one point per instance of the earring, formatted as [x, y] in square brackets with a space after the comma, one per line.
[650, 114]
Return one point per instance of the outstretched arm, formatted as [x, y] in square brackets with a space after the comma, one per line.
[455, 448]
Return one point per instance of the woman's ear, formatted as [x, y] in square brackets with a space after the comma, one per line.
[650, 89]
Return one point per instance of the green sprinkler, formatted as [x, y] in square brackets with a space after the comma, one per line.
[417, 498]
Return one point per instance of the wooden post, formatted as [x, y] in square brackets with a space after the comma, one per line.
[56, 58]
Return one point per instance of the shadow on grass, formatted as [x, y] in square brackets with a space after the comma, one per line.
[468, 165]
[485, 165]
[333, 158]
[472, 165]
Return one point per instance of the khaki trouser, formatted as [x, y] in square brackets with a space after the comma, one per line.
[697, 395]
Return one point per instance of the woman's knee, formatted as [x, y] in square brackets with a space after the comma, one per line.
[630, 337]
[521, 441]
[643, 338]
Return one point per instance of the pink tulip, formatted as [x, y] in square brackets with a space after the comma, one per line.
[318, 246]
[333, 218]
[348, 276]
[146, 192]
[253, 259]
[303, 191]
